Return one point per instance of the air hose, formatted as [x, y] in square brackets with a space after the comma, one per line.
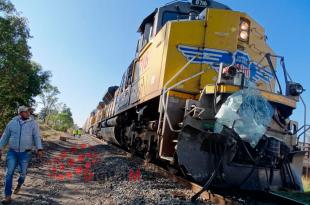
[207, 184]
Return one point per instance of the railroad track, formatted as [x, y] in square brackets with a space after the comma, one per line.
[261, 198]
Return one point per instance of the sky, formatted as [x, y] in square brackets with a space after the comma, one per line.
[88, 44]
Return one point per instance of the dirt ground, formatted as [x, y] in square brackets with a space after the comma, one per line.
[83, 171]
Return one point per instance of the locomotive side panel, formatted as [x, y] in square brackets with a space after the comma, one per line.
[147, 79]
[183, 33]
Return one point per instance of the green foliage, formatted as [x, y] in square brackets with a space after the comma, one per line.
[54, 114]
[48, 99]
[6, 7]
[20, 78]
[61, 121]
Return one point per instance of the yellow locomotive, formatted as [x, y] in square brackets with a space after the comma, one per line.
[203, 94]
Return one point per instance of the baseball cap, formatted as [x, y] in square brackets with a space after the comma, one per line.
[23, 109]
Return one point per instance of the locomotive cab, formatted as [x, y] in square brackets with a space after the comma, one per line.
[176, 11]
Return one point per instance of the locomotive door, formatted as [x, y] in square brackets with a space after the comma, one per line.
[137, 84]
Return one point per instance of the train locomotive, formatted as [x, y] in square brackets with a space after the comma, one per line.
[204, 94]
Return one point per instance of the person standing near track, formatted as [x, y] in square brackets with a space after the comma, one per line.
[79, 132]
[73, 133]
[20, 134]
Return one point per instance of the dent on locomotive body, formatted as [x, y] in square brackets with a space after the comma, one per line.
[202, 93]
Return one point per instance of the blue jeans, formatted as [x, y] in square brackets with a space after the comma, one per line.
[14, 159]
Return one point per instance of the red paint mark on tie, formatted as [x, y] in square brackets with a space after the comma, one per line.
[87, 165]
[88, 175]
[63, 154]
[61, 166]
[73, 150]
[71, 162]
[81, 158]
[69, 175]
[60, 177]
[88, 155]
[78, 170]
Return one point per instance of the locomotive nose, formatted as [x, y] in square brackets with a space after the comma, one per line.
[238, 146]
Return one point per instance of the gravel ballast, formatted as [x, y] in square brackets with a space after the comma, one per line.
[81, 170]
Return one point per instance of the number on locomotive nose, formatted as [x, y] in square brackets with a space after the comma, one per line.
[202, 3]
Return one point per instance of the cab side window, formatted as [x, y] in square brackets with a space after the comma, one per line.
[171, 15]
[123, 82]
[146, 34]
[129, 76]
[136, 71]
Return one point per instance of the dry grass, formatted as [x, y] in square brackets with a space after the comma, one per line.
[47, 132]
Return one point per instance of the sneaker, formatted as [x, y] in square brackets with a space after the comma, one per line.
[17, 189]
[7, 200]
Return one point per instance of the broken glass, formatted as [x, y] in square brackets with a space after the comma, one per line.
[247, 112]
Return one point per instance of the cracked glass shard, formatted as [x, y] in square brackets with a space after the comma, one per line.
[247, 112]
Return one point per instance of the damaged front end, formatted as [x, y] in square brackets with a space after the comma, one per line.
[248, 140]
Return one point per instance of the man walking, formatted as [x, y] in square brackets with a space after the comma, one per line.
[21, 134]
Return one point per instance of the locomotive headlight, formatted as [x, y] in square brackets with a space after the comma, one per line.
[295, 89]
[244, 26]
[244, 35]
[244, 30]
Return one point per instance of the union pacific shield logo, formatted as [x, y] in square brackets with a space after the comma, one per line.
[258, 72]
[214, 57]
[206, 56]
[241, 61]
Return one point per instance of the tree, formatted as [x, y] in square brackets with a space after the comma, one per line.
[49, 101]
[62, 120]
[20, 78]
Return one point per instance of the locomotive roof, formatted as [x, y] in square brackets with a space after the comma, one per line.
[109, 94]
[185, 5]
